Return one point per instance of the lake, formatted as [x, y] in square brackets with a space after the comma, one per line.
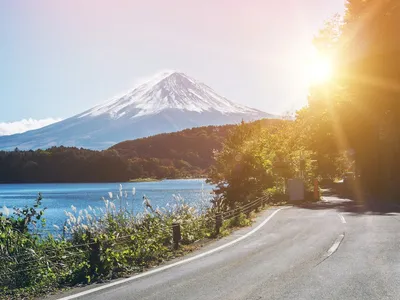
[58, 197]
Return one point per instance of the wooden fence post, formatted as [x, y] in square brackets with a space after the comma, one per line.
[249, 209]
[258, 205]
[218, 222]
[94, 256]
[176, 235]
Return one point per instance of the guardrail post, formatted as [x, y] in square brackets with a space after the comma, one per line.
[94, 255]
[218, 222]
[176, 235]
[258, 205]
[249, 209]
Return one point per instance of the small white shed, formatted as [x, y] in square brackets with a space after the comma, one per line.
[295, 189]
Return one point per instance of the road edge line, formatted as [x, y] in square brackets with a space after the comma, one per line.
[181, 262]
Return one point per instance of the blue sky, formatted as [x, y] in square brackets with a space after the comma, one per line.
[59, 58]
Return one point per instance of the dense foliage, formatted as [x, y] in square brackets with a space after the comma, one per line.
[257, 160]
[358, 110]
[194, 146]
[180, 154]
[62, 164]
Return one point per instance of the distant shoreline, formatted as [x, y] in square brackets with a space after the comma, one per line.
[155, 179]
[144, 180]
[98, 182]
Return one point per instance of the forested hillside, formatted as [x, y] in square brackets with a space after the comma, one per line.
[62, 164]
[188, 153]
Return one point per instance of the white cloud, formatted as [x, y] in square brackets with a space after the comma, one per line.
[7, 128]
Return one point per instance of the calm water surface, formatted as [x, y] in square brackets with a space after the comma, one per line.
[58, 197]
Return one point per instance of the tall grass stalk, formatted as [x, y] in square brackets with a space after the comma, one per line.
[94, 243]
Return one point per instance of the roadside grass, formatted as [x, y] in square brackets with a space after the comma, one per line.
[98, 245]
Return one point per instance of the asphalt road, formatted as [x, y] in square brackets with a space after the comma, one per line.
[332, 250]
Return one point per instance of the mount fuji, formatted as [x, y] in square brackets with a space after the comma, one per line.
[170, 102]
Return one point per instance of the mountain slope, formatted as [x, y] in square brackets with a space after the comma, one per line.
[195, 147]
[170, 102]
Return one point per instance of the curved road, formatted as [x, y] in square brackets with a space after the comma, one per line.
[331, 250]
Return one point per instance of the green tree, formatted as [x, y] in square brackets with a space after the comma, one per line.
[255, 158]
[242, 168]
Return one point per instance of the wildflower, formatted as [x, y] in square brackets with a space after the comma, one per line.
[56, 227]
[73, 208]
[133, 191]
[110, 194]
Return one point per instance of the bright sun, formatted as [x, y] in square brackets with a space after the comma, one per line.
[320, 70]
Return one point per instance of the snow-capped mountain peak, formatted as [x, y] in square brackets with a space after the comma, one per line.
[167, 90]
[170, 101]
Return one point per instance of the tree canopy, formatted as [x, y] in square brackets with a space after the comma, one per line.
[358, 108]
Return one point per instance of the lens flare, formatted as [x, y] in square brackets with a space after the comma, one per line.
[320, 70]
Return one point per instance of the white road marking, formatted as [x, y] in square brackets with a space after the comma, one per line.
[342, 219]
[106, 286]
[335, 245]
